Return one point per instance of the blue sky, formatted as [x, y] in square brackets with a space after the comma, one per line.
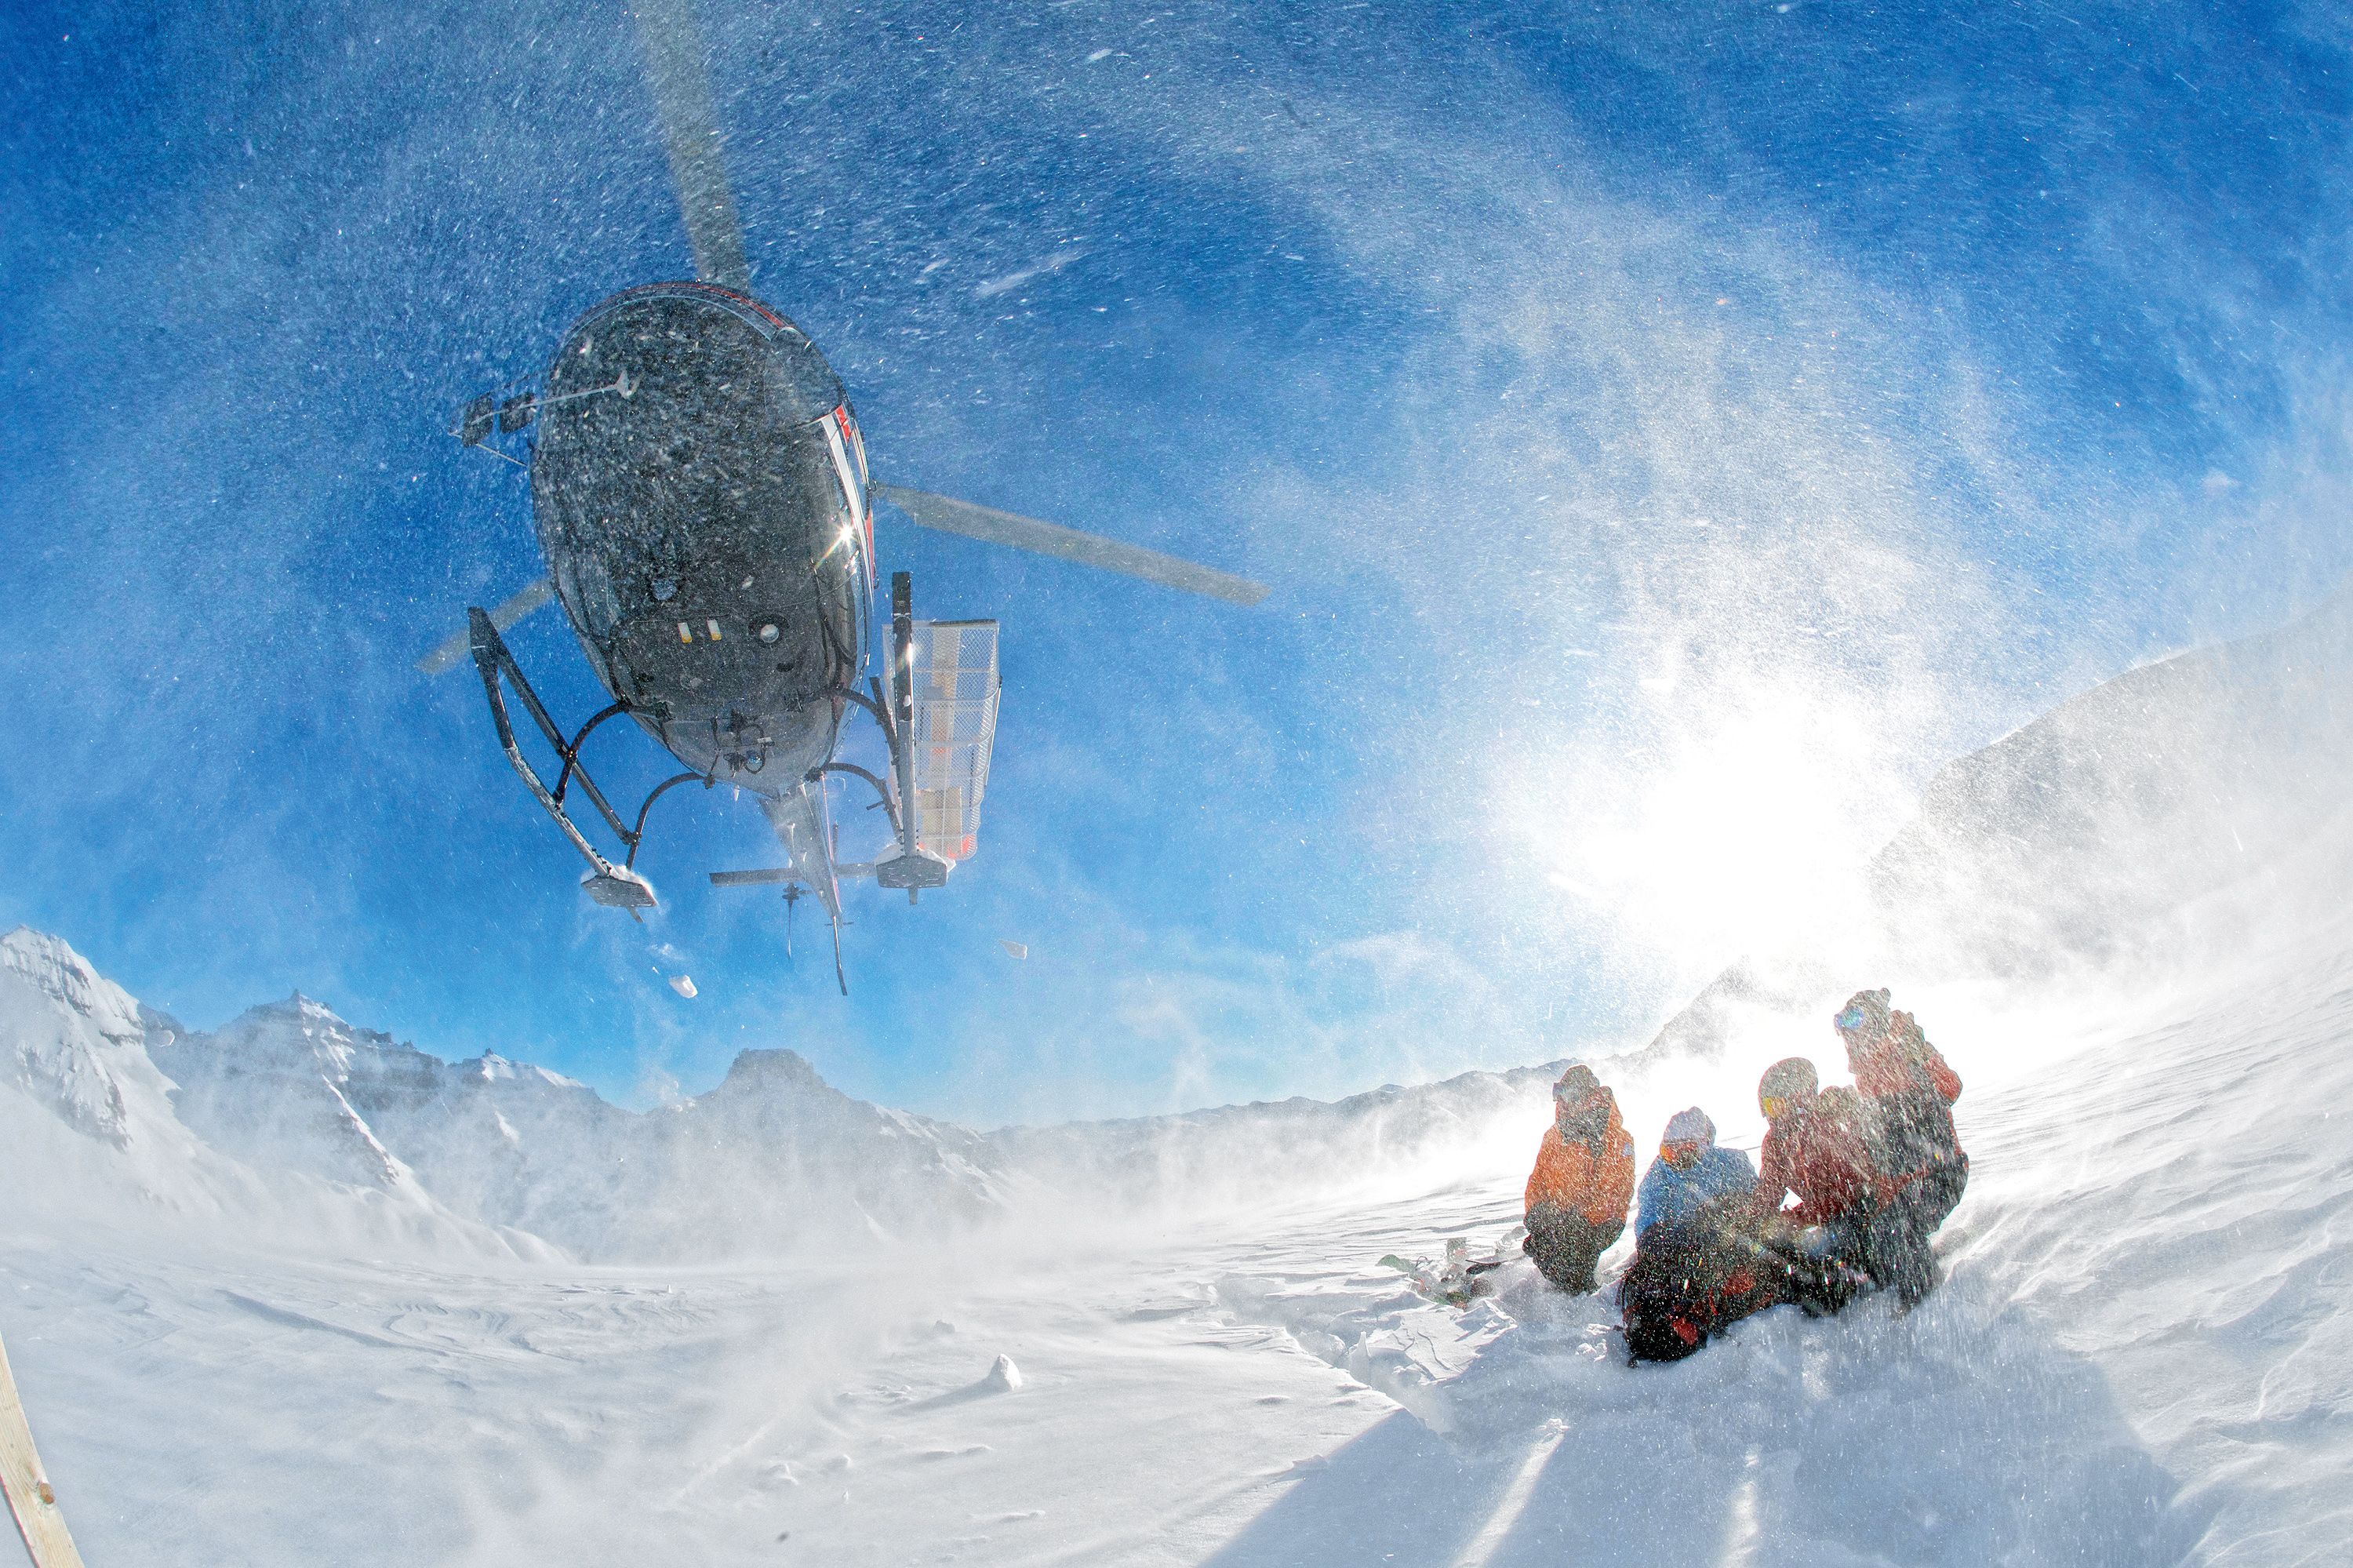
[1670, 432]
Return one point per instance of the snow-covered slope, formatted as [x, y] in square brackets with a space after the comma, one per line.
[2138, 1355]
[771, 1160]
[291, 1086]
[2136, 1359]
[91, 1137]
[2090, 834]
[775, 1155]
[70, 1039]
[272, 1089]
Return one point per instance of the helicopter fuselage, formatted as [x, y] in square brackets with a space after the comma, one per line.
[698, 488]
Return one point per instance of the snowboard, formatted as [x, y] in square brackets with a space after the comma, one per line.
[1454, 1280]
[30, 1497]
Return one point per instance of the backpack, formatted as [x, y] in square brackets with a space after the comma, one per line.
[1914, 1090]
[1691, 1278]
[1927, 1065]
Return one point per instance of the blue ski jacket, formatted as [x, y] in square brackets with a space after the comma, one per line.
[1668, 1193]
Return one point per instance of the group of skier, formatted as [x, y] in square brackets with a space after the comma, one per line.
[1873, 1168]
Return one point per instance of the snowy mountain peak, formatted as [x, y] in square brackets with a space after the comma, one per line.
[274, 1087]
[303, 1035]
[308, 1017]
[293, 1085]
[490, 1068]
[70, 1033]
[769, 1070]
[52, 967]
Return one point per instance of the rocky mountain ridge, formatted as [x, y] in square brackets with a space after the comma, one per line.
[770, 1159]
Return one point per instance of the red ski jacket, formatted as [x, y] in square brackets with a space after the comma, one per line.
[1823, 1164]
[1901, 1059]
[1911, 1091]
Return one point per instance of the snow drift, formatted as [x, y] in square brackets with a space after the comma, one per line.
[2126, 923]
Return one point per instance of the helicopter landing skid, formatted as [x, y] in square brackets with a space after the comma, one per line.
[615, 886]
[618, 887]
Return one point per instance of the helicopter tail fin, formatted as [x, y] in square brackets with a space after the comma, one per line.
[799, 820]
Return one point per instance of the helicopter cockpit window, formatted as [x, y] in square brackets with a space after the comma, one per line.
[805, 387]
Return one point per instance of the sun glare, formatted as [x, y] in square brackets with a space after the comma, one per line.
[1745, 823]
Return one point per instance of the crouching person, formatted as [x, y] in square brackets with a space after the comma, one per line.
[1920, 1168]
[1816, 1150]
[1690, 1171]
[1583, 1180]
[1698, 1264]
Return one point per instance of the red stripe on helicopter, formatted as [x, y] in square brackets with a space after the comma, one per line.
[853, 443]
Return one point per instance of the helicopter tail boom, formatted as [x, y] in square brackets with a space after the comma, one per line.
[945, 515]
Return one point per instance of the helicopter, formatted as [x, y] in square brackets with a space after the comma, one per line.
[700, 490]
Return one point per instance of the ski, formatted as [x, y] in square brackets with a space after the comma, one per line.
[30, 1497]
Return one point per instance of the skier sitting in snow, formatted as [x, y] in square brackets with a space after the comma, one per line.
[1584, 1177]
[1921, 1169]
[1812, 1148]
[1689, 1172]
[1816, 1147]
[1698, 1264]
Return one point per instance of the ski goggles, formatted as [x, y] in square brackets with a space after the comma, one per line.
[1850, 1019]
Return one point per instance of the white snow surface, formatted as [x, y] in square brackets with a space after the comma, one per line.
[295, 1293]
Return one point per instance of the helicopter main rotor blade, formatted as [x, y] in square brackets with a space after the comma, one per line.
[679, 73]
[454, 647]
[948, 515]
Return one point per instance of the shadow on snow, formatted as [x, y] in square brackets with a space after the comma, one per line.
[1959, 1435]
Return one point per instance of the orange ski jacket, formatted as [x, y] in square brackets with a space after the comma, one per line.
[1575, 1177]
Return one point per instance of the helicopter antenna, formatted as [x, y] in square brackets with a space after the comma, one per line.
[679, 72]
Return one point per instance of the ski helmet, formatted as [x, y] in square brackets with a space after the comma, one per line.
[1865, 1012]
[1790, 1078]
[1576, 1085]
[1691, 1126]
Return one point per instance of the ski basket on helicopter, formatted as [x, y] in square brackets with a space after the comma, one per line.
[955, 690]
